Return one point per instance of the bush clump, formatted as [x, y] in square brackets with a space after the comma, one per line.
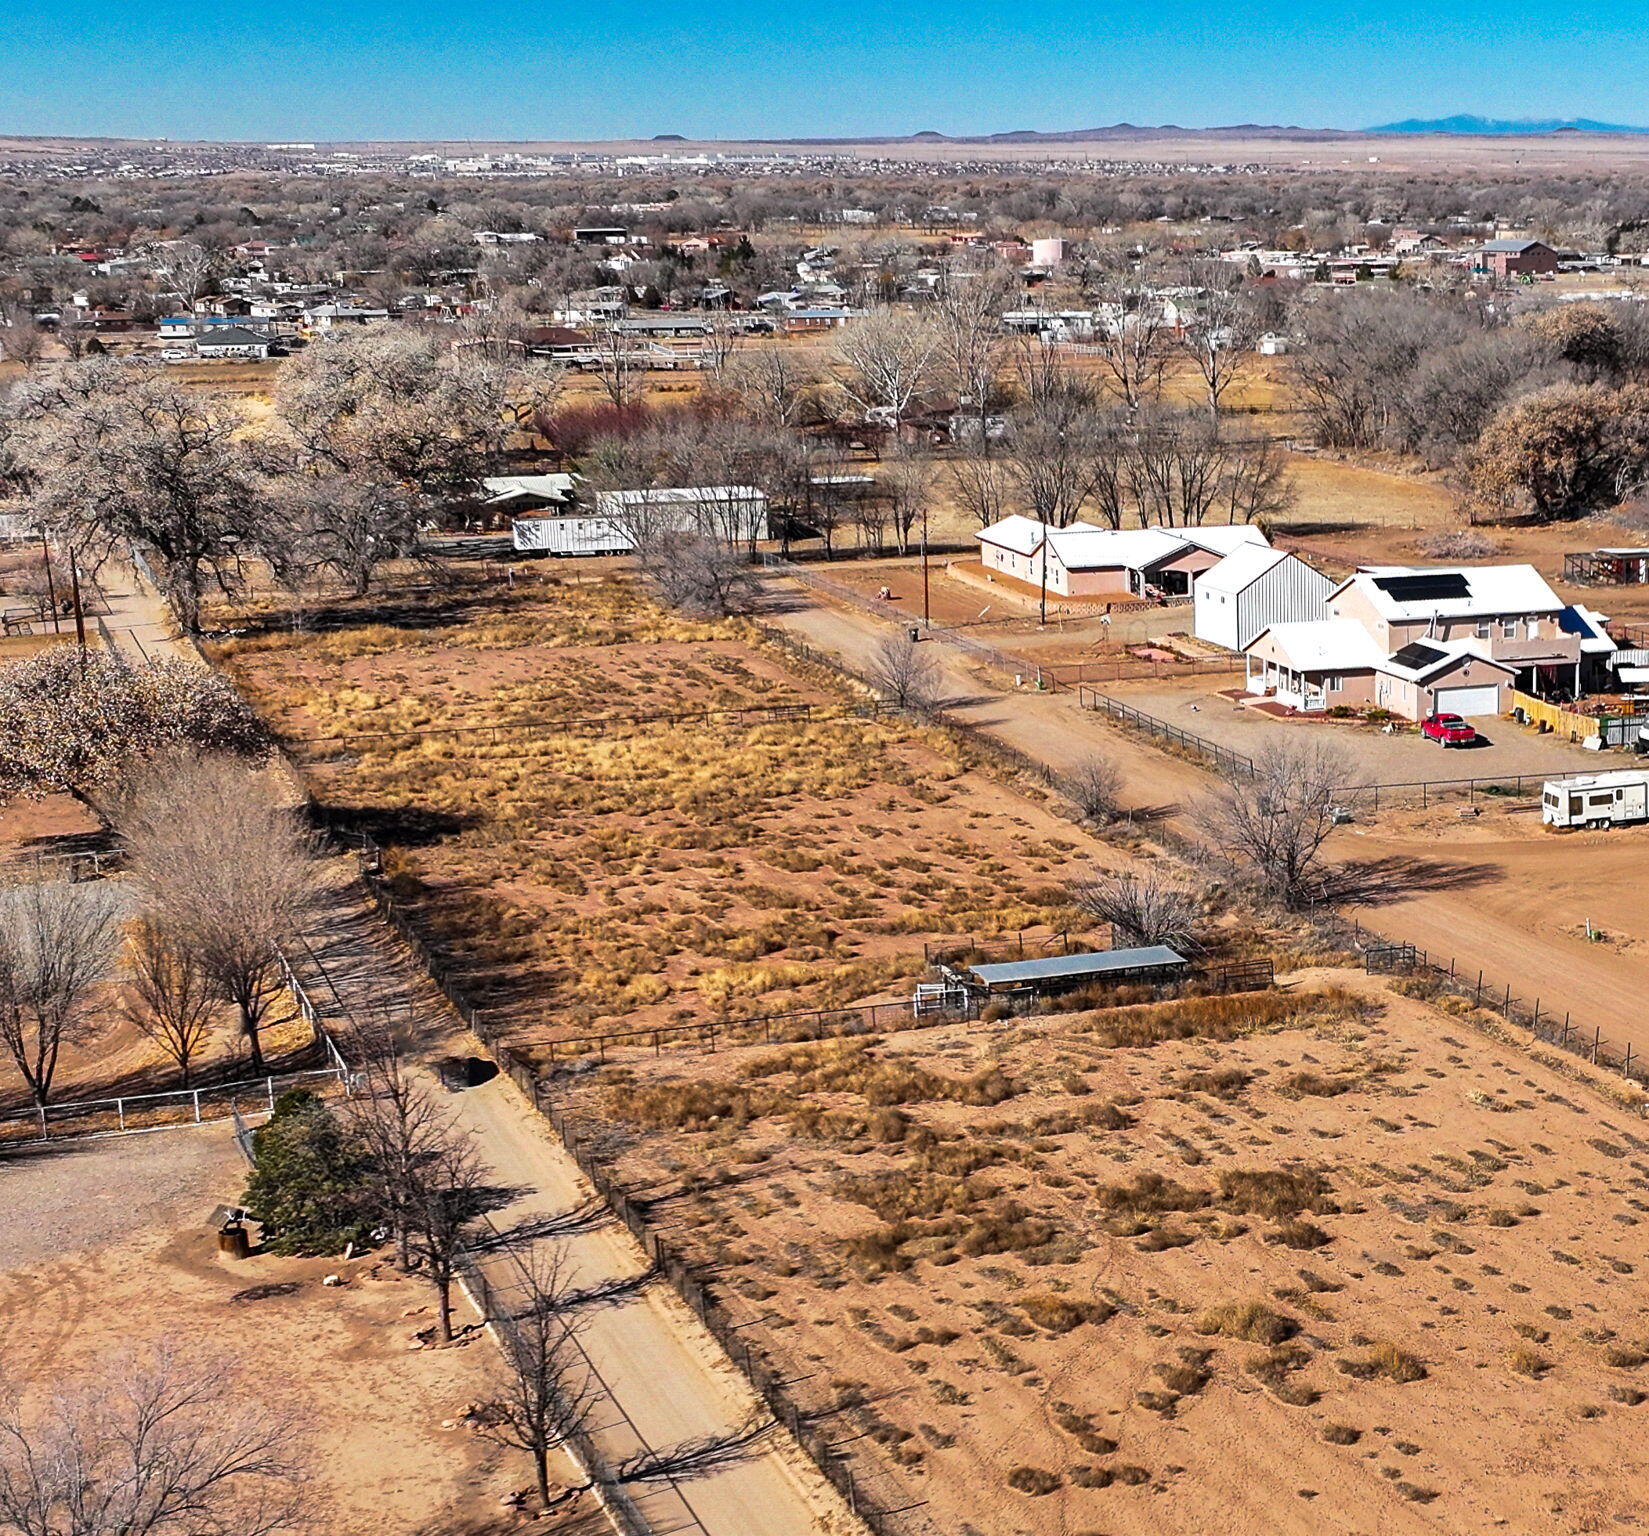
[1251, 1321]
[307, 1179]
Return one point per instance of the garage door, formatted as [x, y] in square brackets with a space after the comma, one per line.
[1481, 700]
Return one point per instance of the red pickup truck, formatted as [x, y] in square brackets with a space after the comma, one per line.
[1448, 730]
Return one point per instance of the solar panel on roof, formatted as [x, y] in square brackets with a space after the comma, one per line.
[1416, 655]
[1425, 588]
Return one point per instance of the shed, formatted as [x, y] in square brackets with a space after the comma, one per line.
[1253, 588]
[1064, 973]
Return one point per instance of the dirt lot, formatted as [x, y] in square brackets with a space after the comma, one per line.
[650, 875]
[1331, 1263]
[107, 1252]
[1197, 704]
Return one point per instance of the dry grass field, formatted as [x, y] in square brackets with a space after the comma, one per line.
[653, 874]
[1322, 1261]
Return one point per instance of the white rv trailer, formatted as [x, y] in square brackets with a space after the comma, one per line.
[1596, 799]
[736, 513]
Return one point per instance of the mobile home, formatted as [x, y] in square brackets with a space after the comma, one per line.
[1596, 799]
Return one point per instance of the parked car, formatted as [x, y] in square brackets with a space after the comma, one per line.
[1448, 730]
[173, 355]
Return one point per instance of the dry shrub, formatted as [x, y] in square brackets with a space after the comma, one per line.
[1341, 1434]
[1034, 1481]
[1527, 1361]
[848, 1066]
[694, 1106]
[1300, 1235]
[1225, 1017]
[1251, 1321]
[1275, 1193]
[1385, 1360]
[1150, 1194]
[1060, 1314]
[1625, 1356]
[1222, 1083]
[1316, 1085]
[899, 1197]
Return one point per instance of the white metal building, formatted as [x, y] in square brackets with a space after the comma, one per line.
[1253, 588]
[734, 513]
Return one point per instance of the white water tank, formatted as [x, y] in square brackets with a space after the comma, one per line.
[1047, 253]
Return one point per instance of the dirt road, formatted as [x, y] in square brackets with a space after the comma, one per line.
[1514, 907]
[666, 1375]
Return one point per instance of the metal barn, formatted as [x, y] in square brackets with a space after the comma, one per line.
[1253, 588]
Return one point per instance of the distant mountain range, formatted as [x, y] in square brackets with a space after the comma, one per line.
[1467, 124]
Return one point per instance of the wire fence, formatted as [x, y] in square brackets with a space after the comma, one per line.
[1236, 764]
[1134, 668]
[1386, 957]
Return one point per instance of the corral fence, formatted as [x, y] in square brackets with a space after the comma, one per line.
[1426, 793]
[1134, 668]
[1236, 764]
[128, 1114]
[1383, 957]
[498, 733]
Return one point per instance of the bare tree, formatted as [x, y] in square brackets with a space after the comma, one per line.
[230, 870]
[619, 368]
[1133, 342]
[972, 346]
[173, 1000]
[1219, 332]
[885, 360]
[771, 382]
[21, 339]
[1258, 483]
[906, 674]
[146, 1451]
[57, 943]
[447, 1193]
[696, 573]
[186, 267]
[117, 453]
[909, 479]
[548, 1389]
[1093, 785]
[1277, 821]
[75, 331]
[399, 1125]
[1142, 907]
[983, 487]
[1051, 449]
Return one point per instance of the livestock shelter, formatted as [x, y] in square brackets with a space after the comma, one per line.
[1048, 975]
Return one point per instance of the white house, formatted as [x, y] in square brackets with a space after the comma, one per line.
[232, 341]
[1253, 588]
[527, 493]
[1082, 560]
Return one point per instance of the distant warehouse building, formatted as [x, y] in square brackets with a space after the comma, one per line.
[736, 514]
[1517, 258]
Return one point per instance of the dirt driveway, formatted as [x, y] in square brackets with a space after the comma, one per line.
[1195, 704]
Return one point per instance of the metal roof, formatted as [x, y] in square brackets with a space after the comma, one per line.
[1057, 967]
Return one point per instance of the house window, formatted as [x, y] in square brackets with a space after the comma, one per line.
[1483, 627]
[1508, 629]
[1332, 682]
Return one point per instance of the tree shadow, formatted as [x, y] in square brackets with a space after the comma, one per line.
[583, 1217]
[409, 826]
[1379, 882]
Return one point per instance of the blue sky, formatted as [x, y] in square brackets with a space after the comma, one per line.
[728, 68]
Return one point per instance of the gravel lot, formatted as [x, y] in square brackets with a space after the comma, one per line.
[82, 1196]
[1194, 704]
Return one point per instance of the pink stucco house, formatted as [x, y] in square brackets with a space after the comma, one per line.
[1085, 561]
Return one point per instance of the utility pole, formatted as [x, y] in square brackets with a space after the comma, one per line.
[927, 617]
[1043, 619]
[79, 611]
[51, 586]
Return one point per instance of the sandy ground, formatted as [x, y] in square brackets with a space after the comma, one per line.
[1476, 1204]
[108, 1251]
